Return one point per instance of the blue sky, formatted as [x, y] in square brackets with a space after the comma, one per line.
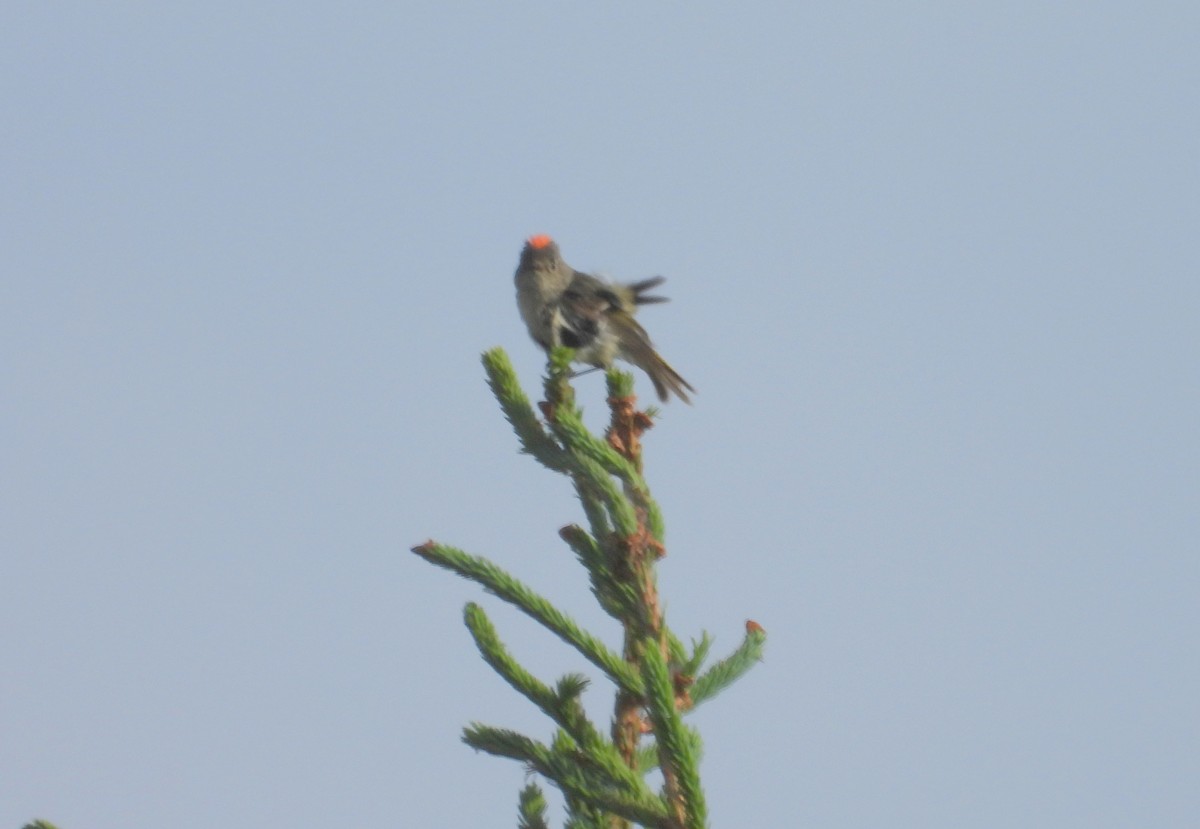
[933, 271]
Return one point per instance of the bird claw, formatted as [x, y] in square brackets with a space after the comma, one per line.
[581, 372]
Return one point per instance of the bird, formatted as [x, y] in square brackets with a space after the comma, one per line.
[565, 307]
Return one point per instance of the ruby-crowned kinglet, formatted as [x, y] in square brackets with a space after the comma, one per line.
[562, 306]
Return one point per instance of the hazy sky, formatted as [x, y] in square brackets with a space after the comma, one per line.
[933, 271]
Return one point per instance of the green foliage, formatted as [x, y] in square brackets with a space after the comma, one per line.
[658, 679]
[678, 756]
[508, 588]
[531, 809]
[724, 673]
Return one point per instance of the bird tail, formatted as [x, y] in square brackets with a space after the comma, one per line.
[637, 349]
[638, 291]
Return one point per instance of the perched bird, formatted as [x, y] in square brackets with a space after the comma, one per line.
[562, 306]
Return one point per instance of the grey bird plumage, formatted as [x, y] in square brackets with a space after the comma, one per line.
[563, 306]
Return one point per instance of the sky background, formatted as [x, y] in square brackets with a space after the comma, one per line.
[933, 271]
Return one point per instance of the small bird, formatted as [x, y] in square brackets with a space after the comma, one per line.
[562, 306]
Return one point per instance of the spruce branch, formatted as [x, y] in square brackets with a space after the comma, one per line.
[568, 427]
[496, 655]
[560, 704]
[531, 808]
[731, 668]
[593, 508]
[617, 599]
[502, 379]
[602, 777]
[677, 754]
[597, 483]
[691, 664]
[511, 590]
[577, 453]
[561, 764]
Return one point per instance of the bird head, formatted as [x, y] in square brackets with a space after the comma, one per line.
[540, 251]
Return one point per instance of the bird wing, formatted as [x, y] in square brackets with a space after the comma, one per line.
[584, 305]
